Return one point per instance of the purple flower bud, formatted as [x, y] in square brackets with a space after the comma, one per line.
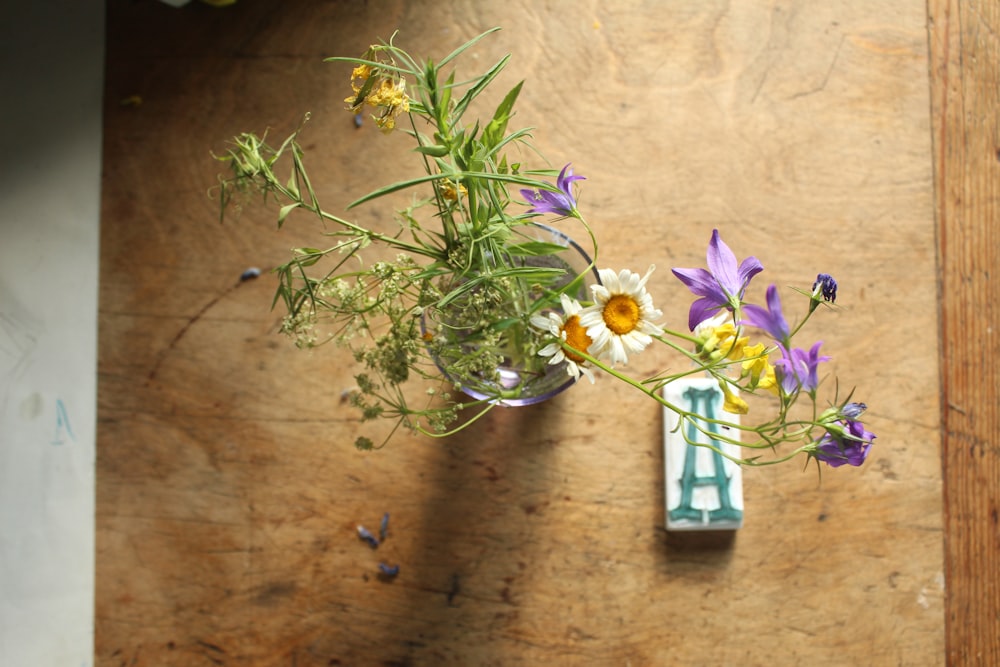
[827, 287]
[848, 443]
[853, 410]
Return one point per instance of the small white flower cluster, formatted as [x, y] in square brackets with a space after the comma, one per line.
[301, 326]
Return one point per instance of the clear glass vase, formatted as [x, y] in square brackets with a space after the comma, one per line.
[522, 381]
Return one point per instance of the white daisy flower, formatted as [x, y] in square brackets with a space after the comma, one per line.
[566, 325]
[620, 321]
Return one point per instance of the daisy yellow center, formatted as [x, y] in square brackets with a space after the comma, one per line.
[576, 338]
[621, 314]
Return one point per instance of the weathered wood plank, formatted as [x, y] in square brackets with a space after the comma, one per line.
[965, 73]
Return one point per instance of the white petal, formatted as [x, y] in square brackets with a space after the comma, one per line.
[591, 316]
[541, 322]
[570, 306]
[599, 336]
[609, 280]
[635, 341]
[649, 272]
[649, 328]
[550, 349]
[651, 314]
[629, 281]
[616, 351]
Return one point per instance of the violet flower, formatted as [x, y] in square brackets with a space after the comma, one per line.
[798, 369]
[848, 442]
[559, 203]
[722, 285]
[769, 319]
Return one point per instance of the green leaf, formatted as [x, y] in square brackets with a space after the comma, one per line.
[538, 274]
[308, 256]
[457, 52]
[534, 249]
[293, 185]
[388, 67]
[394, 187]
[433, 151]
[514, 136]
[445, 99]
[498, 126]
[285, 210]
[505, 324]
[480, 85]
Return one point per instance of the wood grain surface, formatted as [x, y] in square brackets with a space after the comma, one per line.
[228, 488]
[965, 66]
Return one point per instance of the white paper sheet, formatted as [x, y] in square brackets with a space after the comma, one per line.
[51, 70]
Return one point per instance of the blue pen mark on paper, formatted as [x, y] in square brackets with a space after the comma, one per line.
[63, 427]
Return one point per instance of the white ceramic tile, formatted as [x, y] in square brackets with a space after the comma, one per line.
[704, 490]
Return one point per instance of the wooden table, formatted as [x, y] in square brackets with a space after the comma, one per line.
[817, 136]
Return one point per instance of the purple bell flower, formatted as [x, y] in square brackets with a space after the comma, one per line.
[769, 319]
[849, 444]
[560, 203]
[798, 369]
[722, 285]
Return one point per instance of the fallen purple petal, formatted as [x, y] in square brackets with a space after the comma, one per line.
[249, 274]
[366, 535]
[383, 527]
[388, 570]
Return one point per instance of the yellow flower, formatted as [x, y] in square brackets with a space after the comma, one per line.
[385, 92]
[450, 193]
[758, 368]
[359, 75]
[719, 339]
[733, 403]
[390, 96]
[723, 342]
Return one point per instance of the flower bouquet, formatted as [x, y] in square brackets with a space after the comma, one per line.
[479, 297]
